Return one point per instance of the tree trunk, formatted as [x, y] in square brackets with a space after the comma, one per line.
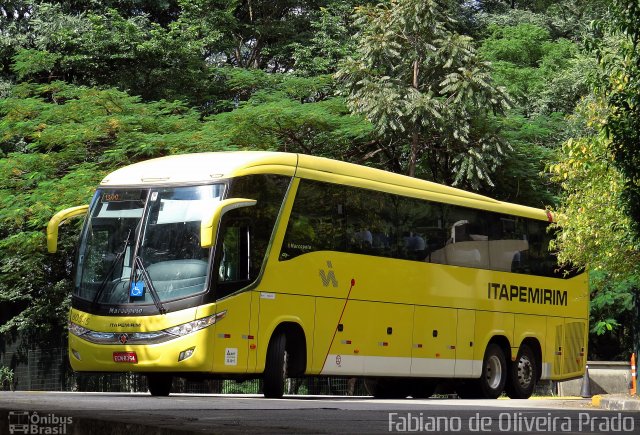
[415, 137]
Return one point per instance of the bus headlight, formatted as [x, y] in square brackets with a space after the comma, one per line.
[196, 325]
[77, 329]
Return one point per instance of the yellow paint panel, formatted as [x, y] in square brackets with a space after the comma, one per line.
[529, 326]
[488, 326]
[151, 358]
[434, 336]
[328, 312]
[465, 343]
[231, 339]
[278, 308]
[552, 353]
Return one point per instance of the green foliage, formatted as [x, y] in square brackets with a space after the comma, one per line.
[531, 66]
[129, 53]
[613, 315]
[532, 141]
[620, 83]
[272, 121]
[330, 43]
[6, 378]
[425, 90]
[257, 34]
[595, 232]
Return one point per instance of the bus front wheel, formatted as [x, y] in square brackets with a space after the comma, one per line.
[159, 384]
[523, 374]
[275, 370]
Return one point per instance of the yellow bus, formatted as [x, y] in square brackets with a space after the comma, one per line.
[274, 265]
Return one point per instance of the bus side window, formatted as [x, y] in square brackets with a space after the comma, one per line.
[468, 244]
[317, 220]
[508, 244]
[246, 232]
[232, 263]
[543, 261]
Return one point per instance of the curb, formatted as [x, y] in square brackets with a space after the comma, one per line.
[616, 403]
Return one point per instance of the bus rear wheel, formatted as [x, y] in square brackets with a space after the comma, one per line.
[522, 375]
[276, 367]
[159, 384]
[494, 372]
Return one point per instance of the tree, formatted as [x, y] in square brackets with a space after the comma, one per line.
[255, 33]
[132, 54]
[620, 83]
[57, 141]
[330, 43]
[593, 230]
[426, 92]
[545, 77]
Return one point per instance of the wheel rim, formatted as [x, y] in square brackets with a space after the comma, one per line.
[493, 374]
[525, 371]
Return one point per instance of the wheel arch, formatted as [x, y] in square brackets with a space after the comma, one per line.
[296, 346]
[503, 343]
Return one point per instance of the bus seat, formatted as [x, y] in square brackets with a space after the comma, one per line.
[178, 277]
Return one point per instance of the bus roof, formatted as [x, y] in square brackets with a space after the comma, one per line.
[198, 168]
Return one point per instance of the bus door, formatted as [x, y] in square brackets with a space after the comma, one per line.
[234, 307]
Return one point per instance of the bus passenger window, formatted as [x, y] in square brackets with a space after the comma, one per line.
[508, 244]
[317, 220]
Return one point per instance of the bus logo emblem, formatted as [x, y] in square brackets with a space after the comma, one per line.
[328, 277]
[124, 338]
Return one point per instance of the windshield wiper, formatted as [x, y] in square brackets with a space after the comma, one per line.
[115, 261]
[154, 293]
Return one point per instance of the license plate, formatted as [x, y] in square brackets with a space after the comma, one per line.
[125, 357]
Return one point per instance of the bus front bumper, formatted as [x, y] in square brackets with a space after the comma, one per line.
[183, 354]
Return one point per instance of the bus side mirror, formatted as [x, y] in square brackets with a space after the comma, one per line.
[210, 223]
[58, 219]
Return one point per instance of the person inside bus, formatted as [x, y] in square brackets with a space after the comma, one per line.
[363, 241]
[416, 246]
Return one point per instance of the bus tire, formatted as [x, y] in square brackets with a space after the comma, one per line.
[159, 384]
[275, 370]
[523, 374]
[494, 372]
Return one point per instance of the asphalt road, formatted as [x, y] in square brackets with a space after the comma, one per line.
[141, 414]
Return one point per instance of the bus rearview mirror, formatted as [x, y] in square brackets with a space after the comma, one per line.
[211, 222]
[58, 219]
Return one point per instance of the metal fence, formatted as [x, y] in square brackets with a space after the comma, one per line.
[49, 370]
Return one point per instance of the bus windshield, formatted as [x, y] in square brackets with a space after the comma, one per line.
[156, 230]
